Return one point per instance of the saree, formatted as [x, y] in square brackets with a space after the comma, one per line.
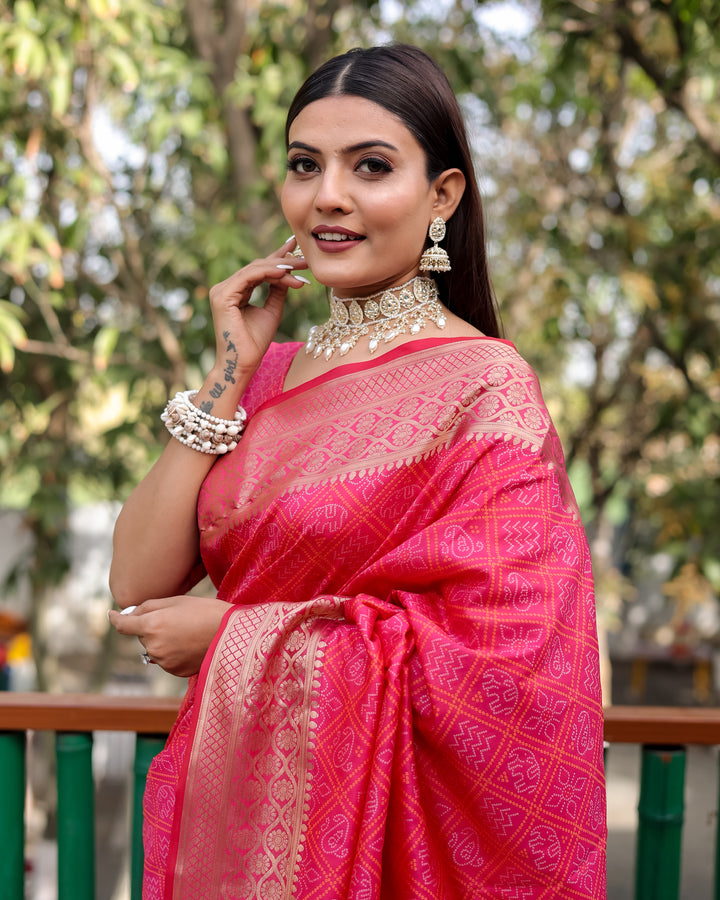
[403, 700]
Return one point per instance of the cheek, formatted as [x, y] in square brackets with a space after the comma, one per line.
[398, 213]
[284, 200]
[290, 202]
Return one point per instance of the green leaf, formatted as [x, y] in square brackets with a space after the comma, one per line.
[12, 333]
[103, 346]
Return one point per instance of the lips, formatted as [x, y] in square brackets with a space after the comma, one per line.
[333, 238]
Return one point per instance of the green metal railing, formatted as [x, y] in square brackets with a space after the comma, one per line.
[73, 718]
[663, 734]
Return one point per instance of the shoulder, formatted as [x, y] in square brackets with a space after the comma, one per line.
[497, 390]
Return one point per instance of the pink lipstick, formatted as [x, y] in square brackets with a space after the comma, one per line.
[335, 239]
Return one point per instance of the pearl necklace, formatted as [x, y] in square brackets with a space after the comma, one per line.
[384, 315]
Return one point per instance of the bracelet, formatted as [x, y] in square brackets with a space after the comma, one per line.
[199, 430]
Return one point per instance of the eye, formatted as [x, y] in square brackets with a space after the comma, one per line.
[302, 165]
[374, 165]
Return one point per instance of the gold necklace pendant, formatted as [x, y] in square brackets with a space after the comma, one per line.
[383, 316]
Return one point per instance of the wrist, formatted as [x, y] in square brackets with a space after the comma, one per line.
[194, 425]
[220, 395]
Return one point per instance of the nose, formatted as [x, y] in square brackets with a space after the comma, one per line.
[333, 192]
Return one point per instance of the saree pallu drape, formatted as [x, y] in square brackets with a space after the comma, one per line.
[403, 700]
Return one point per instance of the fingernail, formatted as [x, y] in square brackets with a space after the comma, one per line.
[128, 610]
[284, 266]
[291, 238]
[108, 615]
[300, 278]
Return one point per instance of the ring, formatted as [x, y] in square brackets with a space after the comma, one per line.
[145, 657]
[297, 252]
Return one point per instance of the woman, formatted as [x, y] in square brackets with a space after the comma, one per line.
[395, 693]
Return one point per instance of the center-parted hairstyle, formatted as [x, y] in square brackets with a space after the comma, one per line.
[406, 82]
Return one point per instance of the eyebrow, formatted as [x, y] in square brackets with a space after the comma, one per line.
[353, 148]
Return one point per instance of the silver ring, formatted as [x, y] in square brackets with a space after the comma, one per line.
[145, 657]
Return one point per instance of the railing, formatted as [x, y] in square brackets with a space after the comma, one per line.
[73, 718]
[663, 733]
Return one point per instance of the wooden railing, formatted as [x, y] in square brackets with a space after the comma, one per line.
[73, 718]
[663, 732]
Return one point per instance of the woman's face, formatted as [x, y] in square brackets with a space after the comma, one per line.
[357, 195]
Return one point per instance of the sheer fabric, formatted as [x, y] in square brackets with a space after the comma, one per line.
[403, 700]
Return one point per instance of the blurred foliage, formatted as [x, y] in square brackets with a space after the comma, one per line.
[141, 158]
[604, 164]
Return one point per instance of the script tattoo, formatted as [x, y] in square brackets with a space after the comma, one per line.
[231, 362]
[218, 389]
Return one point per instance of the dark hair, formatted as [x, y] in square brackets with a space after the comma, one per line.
[409, 84]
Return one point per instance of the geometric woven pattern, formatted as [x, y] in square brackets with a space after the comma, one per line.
[404, 701]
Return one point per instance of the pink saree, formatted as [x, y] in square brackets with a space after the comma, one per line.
[403, 700]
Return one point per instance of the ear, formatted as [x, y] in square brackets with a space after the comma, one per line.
[448, 189]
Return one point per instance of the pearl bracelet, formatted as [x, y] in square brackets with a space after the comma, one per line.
[199, 430]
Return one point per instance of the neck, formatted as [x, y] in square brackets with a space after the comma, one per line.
[404, 309]
[377, 295]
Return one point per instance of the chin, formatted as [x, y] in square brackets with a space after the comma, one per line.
[355, 280]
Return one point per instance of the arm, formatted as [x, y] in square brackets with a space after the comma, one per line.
[155, 545]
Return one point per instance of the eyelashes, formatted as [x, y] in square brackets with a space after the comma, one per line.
[376, 165]
[370, 165]
[297, 162]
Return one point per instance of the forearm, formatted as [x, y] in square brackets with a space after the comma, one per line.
[156, 540]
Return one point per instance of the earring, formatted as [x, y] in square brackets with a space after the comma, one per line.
[435, 259]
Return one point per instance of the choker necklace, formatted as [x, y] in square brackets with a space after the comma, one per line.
[400, 310]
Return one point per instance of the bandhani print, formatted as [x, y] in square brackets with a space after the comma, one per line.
[403, 700]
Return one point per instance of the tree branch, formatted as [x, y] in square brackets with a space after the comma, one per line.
[85, 357]
[675, 92]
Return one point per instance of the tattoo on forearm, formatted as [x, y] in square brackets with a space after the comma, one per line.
[231, 363]
[231, 360]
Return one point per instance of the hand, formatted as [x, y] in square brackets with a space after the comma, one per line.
[175, 631]
[243, 332]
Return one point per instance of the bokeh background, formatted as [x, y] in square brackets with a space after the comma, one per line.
[141, 154]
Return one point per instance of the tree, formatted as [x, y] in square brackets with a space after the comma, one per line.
[609, 189]
[141, 161]
[141, 158]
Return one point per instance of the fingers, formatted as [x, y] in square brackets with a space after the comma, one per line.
[279, 271]
[284, 249]
[126, 623]
[290, 263]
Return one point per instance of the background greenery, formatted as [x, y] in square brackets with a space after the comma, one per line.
[141, 154]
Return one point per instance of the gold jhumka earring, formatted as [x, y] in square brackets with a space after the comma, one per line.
[435, 259]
